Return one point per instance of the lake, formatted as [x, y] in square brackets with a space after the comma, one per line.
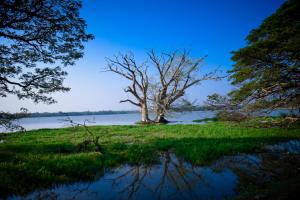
[118, 119]
[111, 119]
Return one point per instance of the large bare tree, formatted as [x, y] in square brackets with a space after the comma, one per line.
[177, 72]
[126, 66]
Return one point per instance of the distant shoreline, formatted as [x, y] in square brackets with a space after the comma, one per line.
[111, 112]
[58, 114]
[104, 112]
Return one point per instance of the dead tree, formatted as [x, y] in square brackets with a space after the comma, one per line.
[90, 137]
[126, 66]
[177, 72]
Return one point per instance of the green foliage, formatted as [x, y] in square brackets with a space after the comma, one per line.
[219, 102]
[32, 33]
[268, 68]
[7, 120]
[267, 122]
[232, 116]
[26, 171]
[42, 157]
[38, 39]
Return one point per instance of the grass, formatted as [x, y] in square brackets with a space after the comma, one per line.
[213, 119]
[43, 157]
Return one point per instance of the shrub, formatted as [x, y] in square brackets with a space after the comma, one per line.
[233, 116]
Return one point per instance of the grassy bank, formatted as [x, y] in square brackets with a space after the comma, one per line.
[42, 157]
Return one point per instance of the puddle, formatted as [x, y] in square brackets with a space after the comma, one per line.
[173, 178]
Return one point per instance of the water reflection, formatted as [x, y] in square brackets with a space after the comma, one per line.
[172, 179]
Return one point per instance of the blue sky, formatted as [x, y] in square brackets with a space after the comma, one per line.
[206, 27]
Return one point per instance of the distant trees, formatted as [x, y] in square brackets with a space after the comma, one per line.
[6, 120]
[220, 102]
[37, 39]
[267, 70]
[175, 73]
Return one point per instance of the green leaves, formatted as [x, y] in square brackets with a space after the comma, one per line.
[268, 69]
[38, 38]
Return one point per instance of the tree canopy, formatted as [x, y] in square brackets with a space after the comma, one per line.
[38, 38]
[267, 70]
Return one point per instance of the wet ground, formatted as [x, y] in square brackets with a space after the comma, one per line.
[174, 178]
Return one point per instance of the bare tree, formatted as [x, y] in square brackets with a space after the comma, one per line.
[126, 66]
[177, 72]
[90, 137]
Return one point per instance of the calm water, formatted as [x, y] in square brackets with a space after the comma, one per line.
[174, 178]
[115, 119]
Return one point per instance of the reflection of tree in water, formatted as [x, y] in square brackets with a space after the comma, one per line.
[257, 168]
[173, 178]
[176, 179]
[173, 173]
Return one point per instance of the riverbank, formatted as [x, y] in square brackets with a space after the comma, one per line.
[40, 158]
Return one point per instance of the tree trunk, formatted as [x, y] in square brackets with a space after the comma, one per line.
[160, 117]
[145, 114]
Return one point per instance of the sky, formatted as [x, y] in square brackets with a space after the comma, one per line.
[212, 28]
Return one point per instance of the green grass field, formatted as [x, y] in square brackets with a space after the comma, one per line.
[43, 157]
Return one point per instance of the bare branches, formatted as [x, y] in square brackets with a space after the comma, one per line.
[177, 72]
[130, 101]
[90, 137]
[125, 65]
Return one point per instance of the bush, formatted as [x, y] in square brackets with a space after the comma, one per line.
[233, 116]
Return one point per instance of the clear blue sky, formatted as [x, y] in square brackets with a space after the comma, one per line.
[206, 27]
